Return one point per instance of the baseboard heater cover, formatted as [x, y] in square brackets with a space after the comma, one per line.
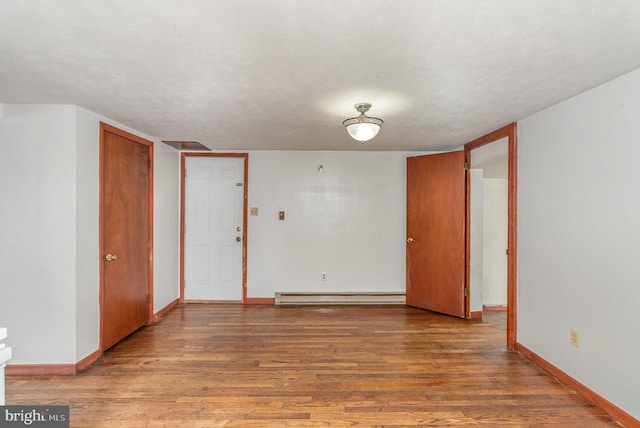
[340, 298]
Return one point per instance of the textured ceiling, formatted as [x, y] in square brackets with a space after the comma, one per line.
[283, 74]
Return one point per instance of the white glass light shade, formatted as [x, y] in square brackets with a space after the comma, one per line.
[363, 131]
[363, 128]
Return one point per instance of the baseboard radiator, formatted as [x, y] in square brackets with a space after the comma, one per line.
[340, 298]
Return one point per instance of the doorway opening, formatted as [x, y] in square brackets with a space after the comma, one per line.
[488, 227]
[495, 156]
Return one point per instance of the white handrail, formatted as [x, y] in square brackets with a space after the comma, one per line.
[5, 355]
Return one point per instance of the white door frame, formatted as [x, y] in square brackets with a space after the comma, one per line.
[183, 158]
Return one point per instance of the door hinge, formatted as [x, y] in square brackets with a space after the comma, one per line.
[148, 298]
[466, 292]
[149, 163]
[466, 166]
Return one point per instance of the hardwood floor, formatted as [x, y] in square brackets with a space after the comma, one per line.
[272, 366]
[498, 319]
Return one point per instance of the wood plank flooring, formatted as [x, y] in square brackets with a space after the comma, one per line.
[271, 366]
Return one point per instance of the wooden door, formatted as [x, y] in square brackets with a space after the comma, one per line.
[125, 238]
[214, 221]
[436, 233]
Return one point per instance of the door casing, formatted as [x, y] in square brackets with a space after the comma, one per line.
[511, 132]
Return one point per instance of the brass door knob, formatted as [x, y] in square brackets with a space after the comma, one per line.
[111, 257]
[410, 240]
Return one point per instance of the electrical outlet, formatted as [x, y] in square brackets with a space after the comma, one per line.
[324, 276]
[575, 338]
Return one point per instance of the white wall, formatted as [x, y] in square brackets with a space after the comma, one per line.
[166, 226]
[49, 223]
[38, 229]
[494, 271]
[87, 267]
[579, 238]
[348, 221]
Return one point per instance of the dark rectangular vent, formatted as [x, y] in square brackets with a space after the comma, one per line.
[187, 145]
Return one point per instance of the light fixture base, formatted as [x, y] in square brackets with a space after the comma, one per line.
[363, 107]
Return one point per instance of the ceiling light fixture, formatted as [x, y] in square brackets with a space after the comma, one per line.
[363, 128]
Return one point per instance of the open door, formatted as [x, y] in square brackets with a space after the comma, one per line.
[436, 260]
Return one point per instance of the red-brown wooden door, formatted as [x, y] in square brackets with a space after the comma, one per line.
[435, 233]
[125, 234]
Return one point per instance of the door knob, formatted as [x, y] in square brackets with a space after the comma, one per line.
[111, 257]
[410, 240]
[238, 239]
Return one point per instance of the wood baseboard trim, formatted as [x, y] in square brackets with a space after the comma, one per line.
[494, 308]
[162, 312]
[614, 411]
[475, 314]
[40, 369]
[88, 360]
[212, 302]
[260, 301]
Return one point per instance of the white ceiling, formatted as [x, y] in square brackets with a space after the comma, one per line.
[283, 74]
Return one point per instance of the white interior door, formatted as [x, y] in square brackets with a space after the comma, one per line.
[214, 192]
